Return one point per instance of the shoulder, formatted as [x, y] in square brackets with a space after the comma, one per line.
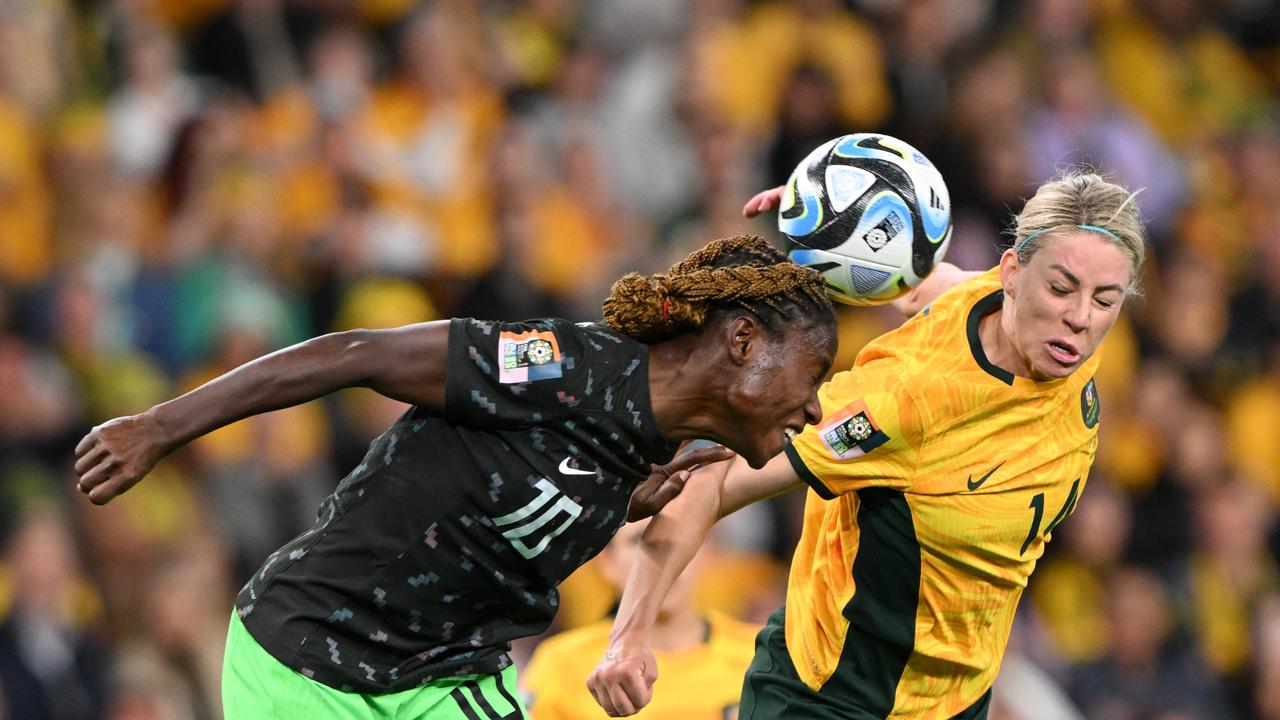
[535, 327]
[562, 345]
[602, 338]
[943, 277]
[585, 338]
[962, 295]
[886, 370]
[890, 368]
[933, 337]
[869, 408]
[946, 314]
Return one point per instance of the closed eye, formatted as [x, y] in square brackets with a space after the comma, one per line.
[1058, 289]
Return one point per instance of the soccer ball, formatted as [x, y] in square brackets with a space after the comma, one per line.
[869, 212]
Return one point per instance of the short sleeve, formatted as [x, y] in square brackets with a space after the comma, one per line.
[869, 435]
[506, 375]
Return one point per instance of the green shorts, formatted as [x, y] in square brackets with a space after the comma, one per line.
[255, 685]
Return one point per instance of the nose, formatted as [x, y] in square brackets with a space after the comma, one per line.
[813, 409]
[1077, 316]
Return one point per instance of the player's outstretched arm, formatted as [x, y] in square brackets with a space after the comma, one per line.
[943, 277]
[406, 363]
[622, 682]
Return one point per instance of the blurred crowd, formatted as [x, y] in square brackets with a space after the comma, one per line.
[188, 184]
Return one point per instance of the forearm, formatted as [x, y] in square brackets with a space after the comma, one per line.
[406, 363]
[287, 377]
[623, 680]
[676, 533]
[666, 549]
[743, 486]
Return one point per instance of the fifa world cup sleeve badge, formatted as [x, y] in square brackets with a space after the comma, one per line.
[528, 356]
[852, 432]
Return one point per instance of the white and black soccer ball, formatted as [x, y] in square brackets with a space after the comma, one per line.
[869, 212]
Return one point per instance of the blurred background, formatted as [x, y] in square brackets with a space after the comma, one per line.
[188, 184]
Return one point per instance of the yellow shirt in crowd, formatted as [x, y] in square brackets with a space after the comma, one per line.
[701, 683]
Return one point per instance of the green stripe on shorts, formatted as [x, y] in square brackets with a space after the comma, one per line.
[255, 685]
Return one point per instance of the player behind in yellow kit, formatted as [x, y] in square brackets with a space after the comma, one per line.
[945, 458]
[702, 654]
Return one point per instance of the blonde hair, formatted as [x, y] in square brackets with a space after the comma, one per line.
[743, 272]
[1081, 199]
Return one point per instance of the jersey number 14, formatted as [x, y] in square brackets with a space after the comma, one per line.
[1037, 504]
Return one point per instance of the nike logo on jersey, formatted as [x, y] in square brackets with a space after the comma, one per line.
[568, 470]
[975, 485]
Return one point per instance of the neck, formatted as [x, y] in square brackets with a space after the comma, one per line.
[995, 330]
[679, 630]
[686, 398]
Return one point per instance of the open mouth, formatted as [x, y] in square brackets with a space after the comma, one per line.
[1063, 351]
[790, 434]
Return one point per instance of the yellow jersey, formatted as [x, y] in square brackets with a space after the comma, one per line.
[701, 683]
[938, 478]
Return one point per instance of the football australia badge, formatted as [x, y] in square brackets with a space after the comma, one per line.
[852, 432]
[528, 356]
[1089, 407]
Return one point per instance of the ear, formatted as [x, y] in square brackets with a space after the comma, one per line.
[742, 333]
[1009, 269]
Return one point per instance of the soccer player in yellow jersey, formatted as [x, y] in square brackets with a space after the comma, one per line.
[701, 655]
[945, 458]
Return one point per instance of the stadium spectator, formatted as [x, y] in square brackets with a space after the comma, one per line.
[705, 653]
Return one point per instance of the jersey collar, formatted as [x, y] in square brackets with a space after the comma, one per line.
[987, 304]
[976, 313]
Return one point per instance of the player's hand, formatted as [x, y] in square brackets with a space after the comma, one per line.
[622, 682]
[763, 202]
[666, 481]
[115, 455]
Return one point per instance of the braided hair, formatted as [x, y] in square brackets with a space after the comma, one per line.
[737, 273]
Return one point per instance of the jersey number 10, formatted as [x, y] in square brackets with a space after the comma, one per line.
[542, 510]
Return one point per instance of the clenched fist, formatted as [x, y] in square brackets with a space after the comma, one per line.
[115, 455]
[622, 682]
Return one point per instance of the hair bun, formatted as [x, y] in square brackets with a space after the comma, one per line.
[633, 305]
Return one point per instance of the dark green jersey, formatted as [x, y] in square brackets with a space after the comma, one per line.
[448, 540]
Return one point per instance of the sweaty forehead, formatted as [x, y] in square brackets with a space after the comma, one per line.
[1086, 257]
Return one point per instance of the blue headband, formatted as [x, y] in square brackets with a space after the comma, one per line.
[1090, 228]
